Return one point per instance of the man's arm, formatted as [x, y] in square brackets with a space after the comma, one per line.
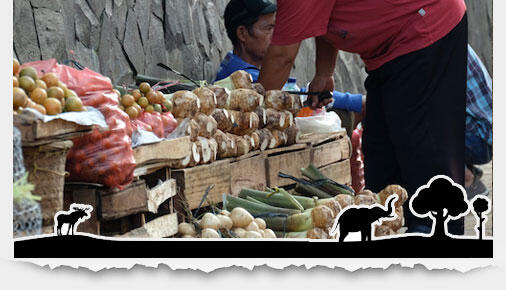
[326, 56]
[277, 65]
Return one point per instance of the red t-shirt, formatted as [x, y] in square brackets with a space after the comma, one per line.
[378, 30]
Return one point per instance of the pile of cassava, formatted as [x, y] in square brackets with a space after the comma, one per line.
[310, 212]
[233, 117]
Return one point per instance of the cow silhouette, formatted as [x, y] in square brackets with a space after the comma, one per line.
[361, 218]
[78, 212]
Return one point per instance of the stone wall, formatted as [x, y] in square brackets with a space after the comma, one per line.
[121, 38]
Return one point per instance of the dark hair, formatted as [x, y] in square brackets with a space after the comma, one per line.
[246, 22]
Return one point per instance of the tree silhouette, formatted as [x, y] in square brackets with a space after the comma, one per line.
[480, 205]
[441, 200]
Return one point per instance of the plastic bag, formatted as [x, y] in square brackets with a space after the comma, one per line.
[169, 123]
[155, 121]
[327, 122]
[104, 157]
[357, 161]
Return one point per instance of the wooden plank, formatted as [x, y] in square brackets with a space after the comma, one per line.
[285, 149]
[130, 200]
[289, 163]
[32, 130]
[88, 196]
[249, 173]
[318, 138]
[163, 151]
[328, 153]
[192, 182]
[339, 172]
[160, 193]
[162, 227]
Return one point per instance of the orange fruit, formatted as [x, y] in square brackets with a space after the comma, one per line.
[127, 100]
[69, 93]
[19, 98]
[50, 79]
[53, 106]
[38, 96]
[138, 107]
[157, 108]
[149, 109]
[27, 83]
[28, 71]
[161, 97]
[152, 97]
[132, 112]
[143, 102]
[55, 92]
[15, 82]
[15, 67]
[137, 94]
[40, 108]
[73, 104]
[144, 88]
[41, 84]
[61, 85]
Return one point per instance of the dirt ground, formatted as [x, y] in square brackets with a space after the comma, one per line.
[470, 220]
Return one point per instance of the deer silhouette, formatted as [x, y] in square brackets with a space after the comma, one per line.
[78, 212]
[361, 218]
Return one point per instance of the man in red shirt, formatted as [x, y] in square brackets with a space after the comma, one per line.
[415, 52]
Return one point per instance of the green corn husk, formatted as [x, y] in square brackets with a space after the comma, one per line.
[278, 199]
[254, 208]
[290, 198]
[309, 191]
[314, 174]
[318, 217]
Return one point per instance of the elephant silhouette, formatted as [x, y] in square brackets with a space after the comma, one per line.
[361, 218]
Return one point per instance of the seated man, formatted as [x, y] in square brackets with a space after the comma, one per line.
[250, 24]
[478, 123]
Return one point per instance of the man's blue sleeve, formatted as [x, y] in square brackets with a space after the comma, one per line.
[347, 101]
[254, 72]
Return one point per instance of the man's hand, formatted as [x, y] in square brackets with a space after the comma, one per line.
[321, 84]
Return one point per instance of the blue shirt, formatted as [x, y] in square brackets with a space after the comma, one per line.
[479, 98]
[232, 63]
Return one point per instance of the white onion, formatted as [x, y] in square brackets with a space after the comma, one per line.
[210, 234]
[210, 221]
[239, 232]
[186, 229]
[225, 222]
[252, 227]
[261, 223]
[241, 217]
[269, 234]
[252, 235]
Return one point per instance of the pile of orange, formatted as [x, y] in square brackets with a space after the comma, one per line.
[47, 94]
[143, 99]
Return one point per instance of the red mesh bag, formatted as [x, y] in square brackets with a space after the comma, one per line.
[357, 161]
[104, 157]
[155, 121]
[169, 123]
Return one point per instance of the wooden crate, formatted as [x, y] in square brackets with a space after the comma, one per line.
[163, 152]
[37, 132]
[288, 160]
[248, 172]
[122, 225]
[193, 182]
[339, 171]
[84, 193]
[331, 151]
[46, 170]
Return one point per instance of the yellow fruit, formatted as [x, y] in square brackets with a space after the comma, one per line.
[143, 102]
[157, 108]
[56, 92]
[15, 82]
[138, 107]
[19, 98]
[149, 109]
[69, 93]
[122, 107]
[53, 106]
[132, 112]
[41, 84]
[144, 88]
[62, 85]
[38, 96]
[15, 67]
[27, 83]
[50, 79]
[73, 104]
[152, 97]
[161, 97]
[127, 100]
[168, 105]
[137, 94]
[28, 71]
[40, 108]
